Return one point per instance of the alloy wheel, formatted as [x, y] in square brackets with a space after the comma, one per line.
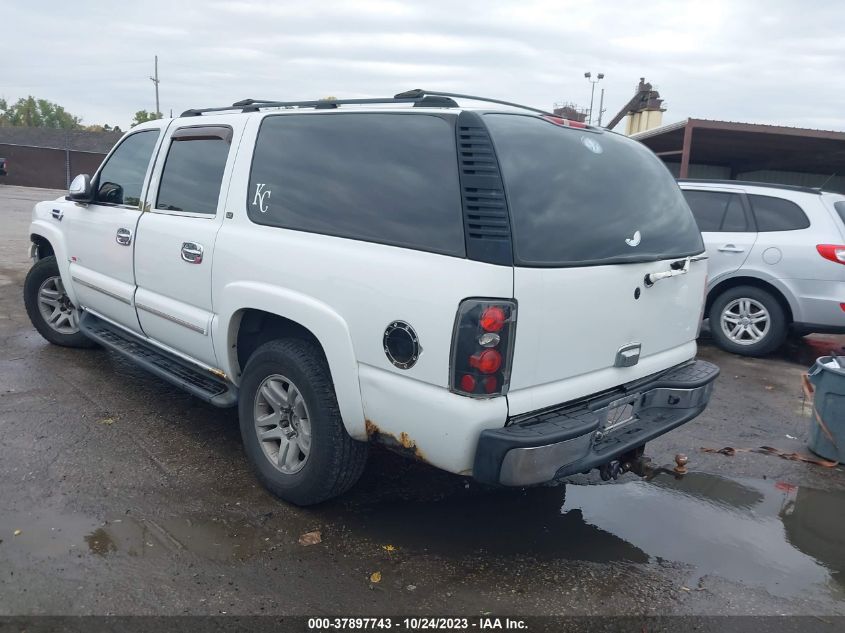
[282, 424]
[56, 308]
[745, 321]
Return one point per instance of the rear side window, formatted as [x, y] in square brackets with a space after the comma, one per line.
[578, 198]
[716, 211]
[777, 214]
[840, 209]
[387, 178]
[192, 175]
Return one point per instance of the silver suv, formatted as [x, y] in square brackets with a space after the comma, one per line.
[776, 256]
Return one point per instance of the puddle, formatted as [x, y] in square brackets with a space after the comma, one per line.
[789, 540]
[758, 532]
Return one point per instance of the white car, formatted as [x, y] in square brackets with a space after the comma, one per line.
[776, 255]
[498, 292]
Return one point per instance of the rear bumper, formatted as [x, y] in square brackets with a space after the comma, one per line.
[818, 328]
[576, 437]
[819, 304]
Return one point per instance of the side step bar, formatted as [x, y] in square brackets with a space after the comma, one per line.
[193, 379]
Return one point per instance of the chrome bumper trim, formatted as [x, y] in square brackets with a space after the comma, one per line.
[524, 466]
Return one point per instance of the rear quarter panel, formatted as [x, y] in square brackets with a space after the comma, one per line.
[347, 292]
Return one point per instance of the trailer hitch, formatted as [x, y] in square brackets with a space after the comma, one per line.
[637, 463]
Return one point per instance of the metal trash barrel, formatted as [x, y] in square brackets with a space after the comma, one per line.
[827, 377]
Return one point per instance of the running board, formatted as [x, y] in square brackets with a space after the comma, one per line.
[192, 378]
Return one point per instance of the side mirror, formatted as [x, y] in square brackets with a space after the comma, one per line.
[80, 189]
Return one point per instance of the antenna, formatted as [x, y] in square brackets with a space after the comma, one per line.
[156, 81]
[829, 178]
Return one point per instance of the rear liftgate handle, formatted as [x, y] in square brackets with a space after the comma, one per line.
[653, 278]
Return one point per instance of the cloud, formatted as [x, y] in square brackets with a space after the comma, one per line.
[757, 60]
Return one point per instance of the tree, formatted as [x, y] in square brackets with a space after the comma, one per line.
[142, 116]
[103, 128]
[32, 112]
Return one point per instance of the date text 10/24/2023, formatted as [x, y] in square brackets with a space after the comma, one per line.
[481, 623]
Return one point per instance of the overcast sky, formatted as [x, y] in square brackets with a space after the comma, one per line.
[743, 60]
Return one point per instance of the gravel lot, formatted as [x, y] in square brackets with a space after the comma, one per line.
[134, 498]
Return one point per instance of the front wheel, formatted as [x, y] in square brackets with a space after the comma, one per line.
[291, 426]
[49, 308]
[748, 320]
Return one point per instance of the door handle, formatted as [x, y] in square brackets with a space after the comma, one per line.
[192, 252]
[123, 237]
[730, 248]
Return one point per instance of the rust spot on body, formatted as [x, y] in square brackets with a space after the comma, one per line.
[406, 441]
[404, 444]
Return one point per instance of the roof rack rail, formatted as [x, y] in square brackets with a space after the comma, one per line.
[419, 98]
[419, 93]
[751, 183]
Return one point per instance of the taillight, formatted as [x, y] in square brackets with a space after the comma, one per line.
[559, 120]
[833, 252]
[487, 362]
[493, 319]
[482, 347]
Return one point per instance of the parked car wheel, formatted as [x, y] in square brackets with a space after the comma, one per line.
[49, 308]
[291, 426]
[748, 320]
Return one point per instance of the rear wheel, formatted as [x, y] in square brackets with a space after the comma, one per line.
[49, 307]
[291, 426]
[748, 320]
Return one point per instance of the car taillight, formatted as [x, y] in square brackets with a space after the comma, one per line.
[559, 120]
[833, 252]
[482, 347]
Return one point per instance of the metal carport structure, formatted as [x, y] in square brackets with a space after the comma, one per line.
[702, 148]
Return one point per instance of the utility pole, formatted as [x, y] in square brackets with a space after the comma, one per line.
[588, 76]
[155, 80]
[601, 105]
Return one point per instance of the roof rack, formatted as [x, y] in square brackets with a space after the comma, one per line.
[419, 98]
[752, 183]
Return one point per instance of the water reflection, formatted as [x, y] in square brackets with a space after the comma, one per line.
[759, 532]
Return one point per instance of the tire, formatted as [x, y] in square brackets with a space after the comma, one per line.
[748, 308]
[43, 284]
[333, 461]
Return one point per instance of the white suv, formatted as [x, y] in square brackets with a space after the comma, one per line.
[498, 292]
[776, 256]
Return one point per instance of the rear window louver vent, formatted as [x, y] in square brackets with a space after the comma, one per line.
[486, 221]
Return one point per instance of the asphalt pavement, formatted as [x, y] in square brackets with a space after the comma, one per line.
[119, 494]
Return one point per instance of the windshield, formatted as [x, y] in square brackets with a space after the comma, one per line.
[580, 198]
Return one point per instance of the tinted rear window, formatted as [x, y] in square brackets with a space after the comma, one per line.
[716, 211]
[840, 209]
[777, 214]
[388, 178]
[579, 198]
